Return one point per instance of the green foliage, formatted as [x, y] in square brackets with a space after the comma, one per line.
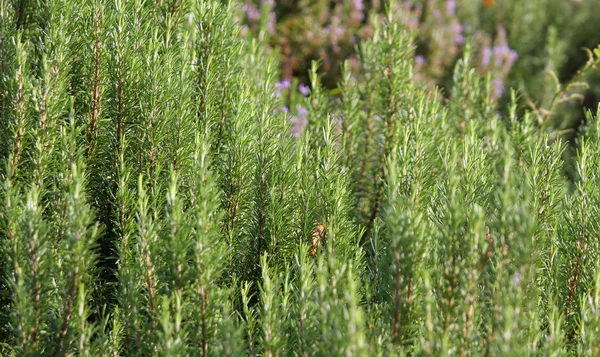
[158, 200]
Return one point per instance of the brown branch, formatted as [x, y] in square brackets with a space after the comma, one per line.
[575, 273]
[20, 109]
[3, 71]
[204, 298]
[96, 86]
[261, 244]
[383, 174]
[119, 132]
[222, 123]
[36, 297]
[363, 164]
[397, 300]
[149, 283]
[177, 141]
[20, 14]
[174, 8]
[68, 310]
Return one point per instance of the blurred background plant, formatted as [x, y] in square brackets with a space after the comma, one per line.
[537, 46]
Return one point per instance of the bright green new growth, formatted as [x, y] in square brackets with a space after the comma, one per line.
[156, 203]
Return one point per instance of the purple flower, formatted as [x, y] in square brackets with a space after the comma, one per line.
[358, 5]
[252, 13]
[280, 86]
[412, 22]
[500, 51]
[497, 87]
[486, 56]
[283, 109]
[299, 121]
[339, 31]
[517, 278]
[458, 36]
[451, 7]
[420, 60]
[271, 23]
[303, 89]
[358, 8]
[512, 57]
[302, 112]
[459, 39]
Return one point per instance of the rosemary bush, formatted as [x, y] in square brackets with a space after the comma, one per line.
[157, 200]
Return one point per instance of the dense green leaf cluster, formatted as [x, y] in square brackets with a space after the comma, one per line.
[155, 200]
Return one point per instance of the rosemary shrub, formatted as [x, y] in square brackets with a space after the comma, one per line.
[157, 200]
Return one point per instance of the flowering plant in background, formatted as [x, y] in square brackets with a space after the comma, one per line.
[329, 31]
[495, 58]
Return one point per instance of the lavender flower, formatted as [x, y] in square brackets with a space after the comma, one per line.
[303, 112]
[335, 34]
[420, 60]
[358, 5]
[517, 278]
[451, 7]
[271, 23]
[512, 57]
[252, 13]
[303, 89]
[486, 56]
[283, 109]
[500, 51]
[299, 121]
[280, 86]
[339, 31]
[458, 36]
[497, 87]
